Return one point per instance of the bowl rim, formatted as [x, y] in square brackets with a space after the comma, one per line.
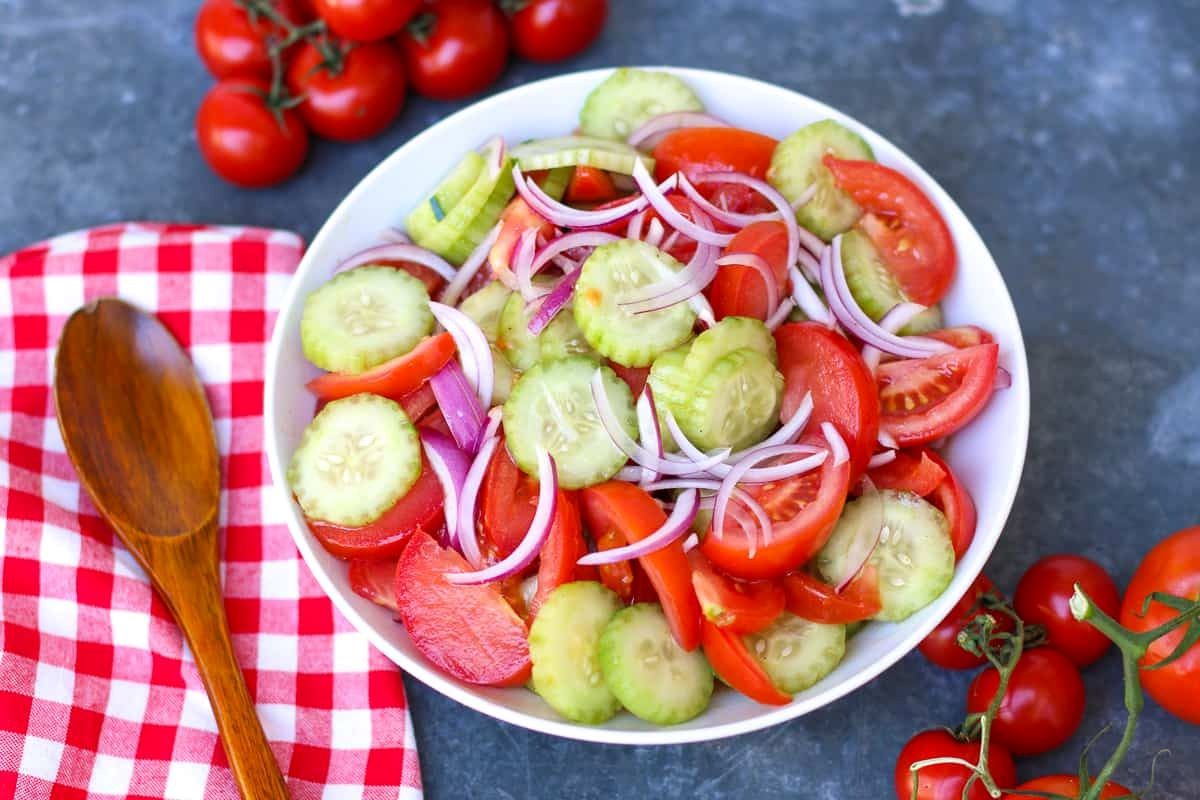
[429, 674]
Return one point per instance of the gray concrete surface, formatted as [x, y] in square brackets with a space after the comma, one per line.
[1068, 131]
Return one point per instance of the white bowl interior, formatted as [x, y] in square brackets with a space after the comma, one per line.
[987, 456]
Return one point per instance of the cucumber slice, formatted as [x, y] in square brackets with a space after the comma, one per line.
[364, 317]
[425, 217]
[731, 333]
[914, 558]
[588, 151]
[505, 377]
[736, 404]
[556, 181]
[484, 308]
[610, 275]
[796, 165]
[469, 219]
[629, 97]
[796, 653]
[562, 647]
[671, 385]
[873, 286]
[560, 338]
[647, 670]
[356, 459]
[460, 249]
[552, 407]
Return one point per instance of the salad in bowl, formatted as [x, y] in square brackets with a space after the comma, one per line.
[648, 411]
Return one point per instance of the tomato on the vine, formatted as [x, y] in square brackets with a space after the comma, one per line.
[1042, 707]
[1043, 596]
[456, 49]
[231, 45]
[244, 140]
[941, 645]
[349, 93]
[946, 781]
[551, 30]
[366, 20]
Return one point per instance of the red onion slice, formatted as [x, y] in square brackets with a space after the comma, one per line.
[780, 314]
[473, 348]
[896, 318]
[669, 242]
[522, 266]
[1004, 379]
[539, 530]
[866, 536]
[478, 257]
[809, 265]
[565, 216]
[724, 215]
[394, 235]
[740, 495]
[468, 541]
[648, 134]
[648, 431]
[554, 302]
[837, 445]
[570, 241]
[796, 234]
[675, 287]
[459, 405]
[637, 224]
[759, 265]
[807, 299]
[691, 543]
[670, 214]
[450, 465]
[398, 252]
[493, 151]
[805, 196]
[676, 526]
[654, 233]
[879, 459]
[886, 440]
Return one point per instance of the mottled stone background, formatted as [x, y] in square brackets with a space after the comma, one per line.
[1068, 131]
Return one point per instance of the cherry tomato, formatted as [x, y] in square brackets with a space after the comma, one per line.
[803, 509]
[941, 645]
[946, 781]
[366, 20]
[816, 600]
[1067, 786]
[693, 151]
[1042, 707]
[551, 30]
[1044, 592]
[564, 546]
[419, 509]
[375, 580]
[814, 359]
[355, 96]
[635, 514]
[953, 500]
[626, 578]
[733, 663]
[926, 399]
[232, 46]
[590, 185]
[456, 49]
[1173, 567]
[737, 606]
[910, 471]
[396, 378]
[905, 226]
[243, 141]
[436, 613]
[740, 291]
[508, 500]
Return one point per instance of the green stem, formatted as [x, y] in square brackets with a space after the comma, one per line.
[1135, 701]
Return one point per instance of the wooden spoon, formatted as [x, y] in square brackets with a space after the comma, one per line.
[138, 429]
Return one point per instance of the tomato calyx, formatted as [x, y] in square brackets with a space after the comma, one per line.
[512, 7]
[421, 27]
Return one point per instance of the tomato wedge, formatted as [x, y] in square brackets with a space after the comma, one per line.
[729, 658]
[904, 225]
[437, 614]
[626, 578]
[926, 399]
[803, 509]
[375, 580]
[634, 376]
[814, 359]
[508, 500]
[419, 402]
[962, 336]
[590, 185]
[696, 150]
[816, 600]
[516, 218]
[564, 546]
[635, 514]
[739, 291]
[736, 606]
[909, 471]
[396, 378]
[953, 500]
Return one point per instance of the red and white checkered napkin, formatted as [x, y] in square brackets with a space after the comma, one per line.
[98, 695]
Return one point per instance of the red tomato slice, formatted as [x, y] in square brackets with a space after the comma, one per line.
[626, 578]
[923, 400]
[395, 378]
[962, 336]
[736, 606]
[419, 402]
[590, 185]
[729, 658]
[634, 376]
[696, 150]
[563, 547]
[816, 600]
[909, 471]
[953, 500]
[814, 359]
[517, 217]
[804, 510]
[739, 291]
[904, 225]
[508, 499]
[375, 580]
[437, 614]
[636, 515]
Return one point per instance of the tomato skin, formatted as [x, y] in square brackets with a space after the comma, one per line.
[905, 226]
[946, 781]
[435, 613]
[1042, 598]
[1042, 707]
[635, 514]
[953, 500]
[693, 151]
[230, 45]
[814, 359]
[552, 30]
[635, 377]
[739, 291]
[366, 20]
[815, 600]
[589, 185]
[949, 390]
[517, 217]
[1067, 786]
[941, 645]
[737, 606]
[240, 138]
[360, 100]
[909, 471]
[1172, 566]
[464, 53]
[564, 546]
[962, 336]
[418, 403]
[508, 500]
[396, 378]
[731, 660]
[375, 580]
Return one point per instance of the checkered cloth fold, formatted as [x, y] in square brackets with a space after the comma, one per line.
[99, 695]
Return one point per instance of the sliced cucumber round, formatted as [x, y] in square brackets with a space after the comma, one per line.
[425, 217]
[629, 97]
[647, 670]
[484, 307]
[468, 220]
[796, 165]
[874, 287]
[560, 338]
[505, 377]
[610, 275]
[731, 333]
[356, 459]
[671, 385]
[587, 151]
[736, 404]
[364, 317]
[914, 559]
[466, 240]
[552, 407]
[556, 181]
[796, 653]
[562, 646]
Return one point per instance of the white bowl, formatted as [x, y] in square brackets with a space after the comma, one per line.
[987, 456]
